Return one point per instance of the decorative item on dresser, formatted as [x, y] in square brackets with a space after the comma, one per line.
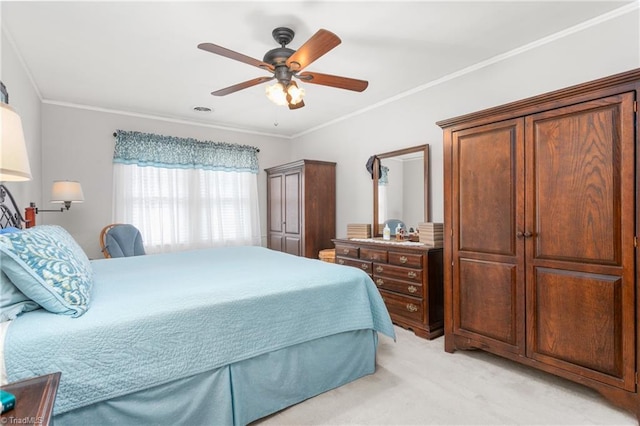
[540, 218]
[408, 275]
[358, 230]
[301, 207]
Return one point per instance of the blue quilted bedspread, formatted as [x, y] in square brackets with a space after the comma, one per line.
[157, 318]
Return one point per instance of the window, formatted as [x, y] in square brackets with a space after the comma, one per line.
[185, 194]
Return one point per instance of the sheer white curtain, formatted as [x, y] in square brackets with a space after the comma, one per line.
[187, 208]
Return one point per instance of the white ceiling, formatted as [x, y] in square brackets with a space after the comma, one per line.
[141, 57]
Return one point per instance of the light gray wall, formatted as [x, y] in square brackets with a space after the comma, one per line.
[24, 99]
[72, 143]
[78, 145]
[608, 48]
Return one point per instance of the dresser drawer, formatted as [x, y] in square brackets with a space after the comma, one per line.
[398, 272]
[405, 259]
[372, 254]
[347, 251]
[403, 306]
[408, 276]
[360, 264]
[398, 286]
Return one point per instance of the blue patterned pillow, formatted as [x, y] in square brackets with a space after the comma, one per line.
[49, 267]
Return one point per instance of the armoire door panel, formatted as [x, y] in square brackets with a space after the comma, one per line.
[292, 245]
[577, 153]
[292, 188]
[276, 203]
[485, 174]
[580, 275]
[578, 323]
[276, 242]
[488, 300]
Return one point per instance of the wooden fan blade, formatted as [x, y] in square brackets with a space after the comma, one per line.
[296, 106]
[219, 50]
[334, 81]
[319, 44]
[240, 86]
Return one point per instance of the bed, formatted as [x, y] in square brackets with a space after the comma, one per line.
[213, 336]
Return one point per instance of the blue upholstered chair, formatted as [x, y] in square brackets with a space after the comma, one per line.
[121, 240]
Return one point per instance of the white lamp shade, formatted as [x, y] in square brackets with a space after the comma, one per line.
[14, 162]
[66, 190]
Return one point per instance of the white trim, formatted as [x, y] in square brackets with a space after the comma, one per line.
[160, 118]
[22, 62]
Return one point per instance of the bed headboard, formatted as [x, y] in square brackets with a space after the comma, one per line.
[9, 212]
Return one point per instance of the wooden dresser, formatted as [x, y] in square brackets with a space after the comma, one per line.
[409, 278]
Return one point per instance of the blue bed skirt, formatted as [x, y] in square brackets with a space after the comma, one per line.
[242, 392]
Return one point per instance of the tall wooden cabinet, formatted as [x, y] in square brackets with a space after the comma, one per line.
[540, 245]
[301, 207]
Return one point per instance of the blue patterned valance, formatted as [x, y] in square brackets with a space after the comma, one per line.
[146, 149]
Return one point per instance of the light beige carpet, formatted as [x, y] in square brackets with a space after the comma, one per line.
[418, 383]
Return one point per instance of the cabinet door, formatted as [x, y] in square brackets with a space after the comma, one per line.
[487, 212]
[275, 212]
[292, 211]
[580, 255]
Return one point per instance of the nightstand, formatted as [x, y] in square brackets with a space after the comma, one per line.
[34, 400]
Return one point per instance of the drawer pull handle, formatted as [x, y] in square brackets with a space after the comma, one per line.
[412, 289]
[403, 259]
[411, 307]
[364, 266]
[380, 281]
[340, 261]
[345, 251]
[412, 274]
[379, 268]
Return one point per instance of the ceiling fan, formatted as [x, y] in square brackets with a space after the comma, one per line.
[285, 63]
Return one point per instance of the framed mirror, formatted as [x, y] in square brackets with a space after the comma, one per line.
[401, 188]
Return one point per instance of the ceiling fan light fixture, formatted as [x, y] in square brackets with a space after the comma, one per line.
[295, 93]
[284, 63]
[276, 94]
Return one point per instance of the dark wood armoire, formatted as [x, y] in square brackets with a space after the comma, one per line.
[301, 207]
[541, 213]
